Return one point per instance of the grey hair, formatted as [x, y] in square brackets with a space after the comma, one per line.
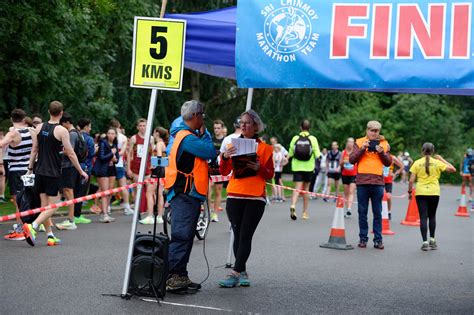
[190, 108]
[256, 119]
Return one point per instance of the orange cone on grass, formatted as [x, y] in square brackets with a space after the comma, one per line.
[462, 208]
[385, 219]
[413, 216]
[337, 237]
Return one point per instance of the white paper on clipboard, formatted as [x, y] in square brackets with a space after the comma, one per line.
[244, 146]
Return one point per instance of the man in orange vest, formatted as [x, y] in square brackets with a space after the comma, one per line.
[371, 153]
[187, 181]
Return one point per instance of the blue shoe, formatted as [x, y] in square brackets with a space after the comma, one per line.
[244, 279]
[230, 281]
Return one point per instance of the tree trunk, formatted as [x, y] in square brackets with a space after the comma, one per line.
[195, 85]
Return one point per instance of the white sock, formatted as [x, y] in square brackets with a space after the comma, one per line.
[50, 234]
[34, 225]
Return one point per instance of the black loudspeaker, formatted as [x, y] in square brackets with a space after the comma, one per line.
[149, 270]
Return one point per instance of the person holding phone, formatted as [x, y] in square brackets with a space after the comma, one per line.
[371, 153]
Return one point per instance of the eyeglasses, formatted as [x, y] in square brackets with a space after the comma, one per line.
[374, 130]
[246, 122]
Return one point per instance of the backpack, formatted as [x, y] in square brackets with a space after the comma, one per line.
[80, 147]
[303, 148]
[471, 166]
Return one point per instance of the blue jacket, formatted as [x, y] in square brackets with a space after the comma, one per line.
[201, 147]
[104, 157]
[87, 164]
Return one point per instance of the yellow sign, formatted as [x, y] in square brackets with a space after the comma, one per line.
[158, 53]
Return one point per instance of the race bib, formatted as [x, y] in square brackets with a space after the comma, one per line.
[348, 166]
[386, 171]
[140, 150]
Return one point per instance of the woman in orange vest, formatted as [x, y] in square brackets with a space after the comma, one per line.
[372, 153]
[246, 194]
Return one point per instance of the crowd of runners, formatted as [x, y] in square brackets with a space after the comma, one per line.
[68, 162]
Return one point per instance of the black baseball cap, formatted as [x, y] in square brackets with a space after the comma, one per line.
[237, 122]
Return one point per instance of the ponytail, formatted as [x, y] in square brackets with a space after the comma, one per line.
[427, 165]
[428, 150]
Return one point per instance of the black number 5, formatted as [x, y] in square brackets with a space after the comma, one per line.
[157, 39]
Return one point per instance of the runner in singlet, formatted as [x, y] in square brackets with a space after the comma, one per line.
[136, 151]
[18, 142]
[53, 141]
[349, 173]
[388, 177]
[120, 166]
[334, 168]
[216, 188]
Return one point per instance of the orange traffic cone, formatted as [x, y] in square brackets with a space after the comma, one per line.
[462, 209]
[385, 220]
[337, 238]
[413, 216]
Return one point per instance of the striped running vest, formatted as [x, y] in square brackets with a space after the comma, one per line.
[19, 156]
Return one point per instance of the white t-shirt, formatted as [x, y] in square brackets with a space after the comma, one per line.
[278, 159]
[228, 140]
[121, 139]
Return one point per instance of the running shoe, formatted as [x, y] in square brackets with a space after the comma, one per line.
[106, 219]
[362, 244]
[348, 213]
[305, 216]
[159, 220]
[378, 245]
[433, 244]
[82, 220]
[244, 279]
[53, 241]
[66, 225]
[128, 211]
[230, 281]
[214, 217]
[41, 228]
[325, 199]
[14, 236]
[390, 216]
[29, 233]
[191, 285]
[3, 200]
[425, 246]
[220, 209]
[147, 220]
[293, 213]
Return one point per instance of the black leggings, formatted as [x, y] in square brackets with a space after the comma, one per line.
[427, 206]
[244, 216]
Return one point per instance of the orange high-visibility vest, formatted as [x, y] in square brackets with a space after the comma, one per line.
[199, 176]
[254, 185]
[370, 162]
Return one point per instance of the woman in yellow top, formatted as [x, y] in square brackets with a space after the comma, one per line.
[426, 172]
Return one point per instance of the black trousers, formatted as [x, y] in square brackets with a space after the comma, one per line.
[244, 216]
[427, 206]
[80, 190]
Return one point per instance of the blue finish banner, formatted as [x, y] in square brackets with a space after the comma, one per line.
[369, 45]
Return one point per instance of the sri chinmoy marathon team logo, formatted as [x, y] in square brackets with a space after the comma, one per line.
[288, 30]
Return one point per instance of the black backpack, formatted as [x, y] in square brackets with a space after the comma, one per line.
[80, 148]
[303, 148]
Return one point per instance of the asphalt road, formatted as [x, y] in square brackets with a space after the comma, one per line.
[290, 274]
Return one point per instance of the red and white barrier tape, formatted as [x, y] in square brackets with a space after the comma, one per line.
[218, 178]
[321, 195]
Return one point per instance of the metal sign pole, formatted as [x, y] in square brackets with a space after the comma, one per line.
[249, 99]
[141, 178]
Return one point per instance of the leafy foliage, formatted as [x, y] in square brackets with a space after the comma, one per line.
[79, 52]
